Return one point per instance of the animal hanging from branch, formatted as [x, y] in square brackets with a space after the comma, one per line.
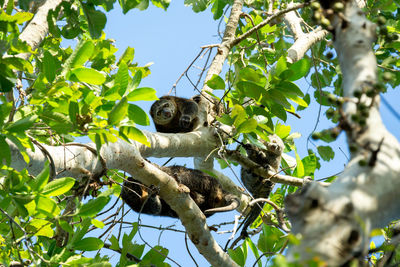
[260, 187]
[205, 191]
[172, 114]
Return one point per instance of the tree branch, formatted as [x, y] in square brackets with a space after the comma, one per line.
[81, 163]
[265, 22]
[38, 28]
[268, 174]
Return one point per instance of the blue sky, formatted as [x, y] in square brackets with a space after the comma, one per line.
[171, 40]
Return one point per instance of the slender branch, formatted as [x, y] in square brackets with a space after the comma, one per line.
[268, 174]
[265, 22]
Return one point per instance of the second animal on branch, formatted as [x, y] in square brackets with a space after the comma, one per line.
[205, 191]
[172, 114]
[260, 187]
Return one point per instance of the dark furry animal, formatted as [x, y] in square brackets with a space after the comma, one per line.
[173, 114]
[205, 191]
[258, 186]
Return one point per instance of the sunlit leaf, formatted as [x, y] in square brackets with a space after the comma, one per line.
[143, 93]
[87, 75]
[47, 206]
[216, 82]
[58, 186]
[118, 112]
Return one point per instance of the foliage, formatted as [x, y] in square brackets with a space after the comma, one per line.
[86, 91]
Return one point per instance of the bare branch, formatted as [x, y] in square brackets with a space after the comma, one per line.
[268, 174]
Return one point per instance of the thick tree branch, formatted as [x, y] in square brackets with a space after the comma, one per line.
[301, 45]
[79, 162]
[303, 41]
[37, 29]
[335, 222]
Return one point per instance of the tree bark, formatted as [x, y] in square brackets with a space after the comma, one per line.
[335, 222]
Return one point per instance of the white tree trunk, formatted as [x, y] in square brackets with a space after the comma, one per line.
[335, 222]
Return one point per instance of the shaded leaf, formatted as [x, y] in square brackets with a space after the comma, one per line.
[88, 244]
[326, 152]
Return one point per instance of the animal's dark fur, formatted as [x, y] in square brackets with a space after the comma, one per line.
[258, 186]
[205, 190]
[173, 114]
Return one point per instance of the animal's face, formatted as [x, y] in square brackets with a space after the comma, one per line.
[275, 145]
[163, 111]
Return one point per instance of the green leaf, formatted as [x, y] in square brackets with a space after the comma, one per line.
[86, 75]
[250, 89]
[237, 255]
[137, 78]
[42, 178]
[93, 206]
[66, 226]
[300, 69]
[218, 8]
[22, 124]
[326, 152]
[88, 244]
[96, 20]
[47, 206]
[127, 56]
[251, 75]
[271, 239]
[282, 130]
[114, 243]
[122, 78]
[299, 171]
[289, 87]
[143, 93]
[155, 256]
[6, 82]
[137, 115]
[5, 152]
[58, 186]
[254, 250]
[310, 164]
[239, 114]
[134, 134]
[78, 260]
[247, 126]
[57, 121]
[128, 5]
[82, 54]
[49, 66]
[197, 5]
[161, 3]
[216, 82]
[118, 112]
[41, 227]
[97, 223]
[73, 111]
[279, 111]
[277, 97]
[280, 66]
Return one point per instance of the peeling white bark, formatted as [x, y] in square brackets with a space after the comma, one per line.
[303, 43]
[37, 29]
[335, 222]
